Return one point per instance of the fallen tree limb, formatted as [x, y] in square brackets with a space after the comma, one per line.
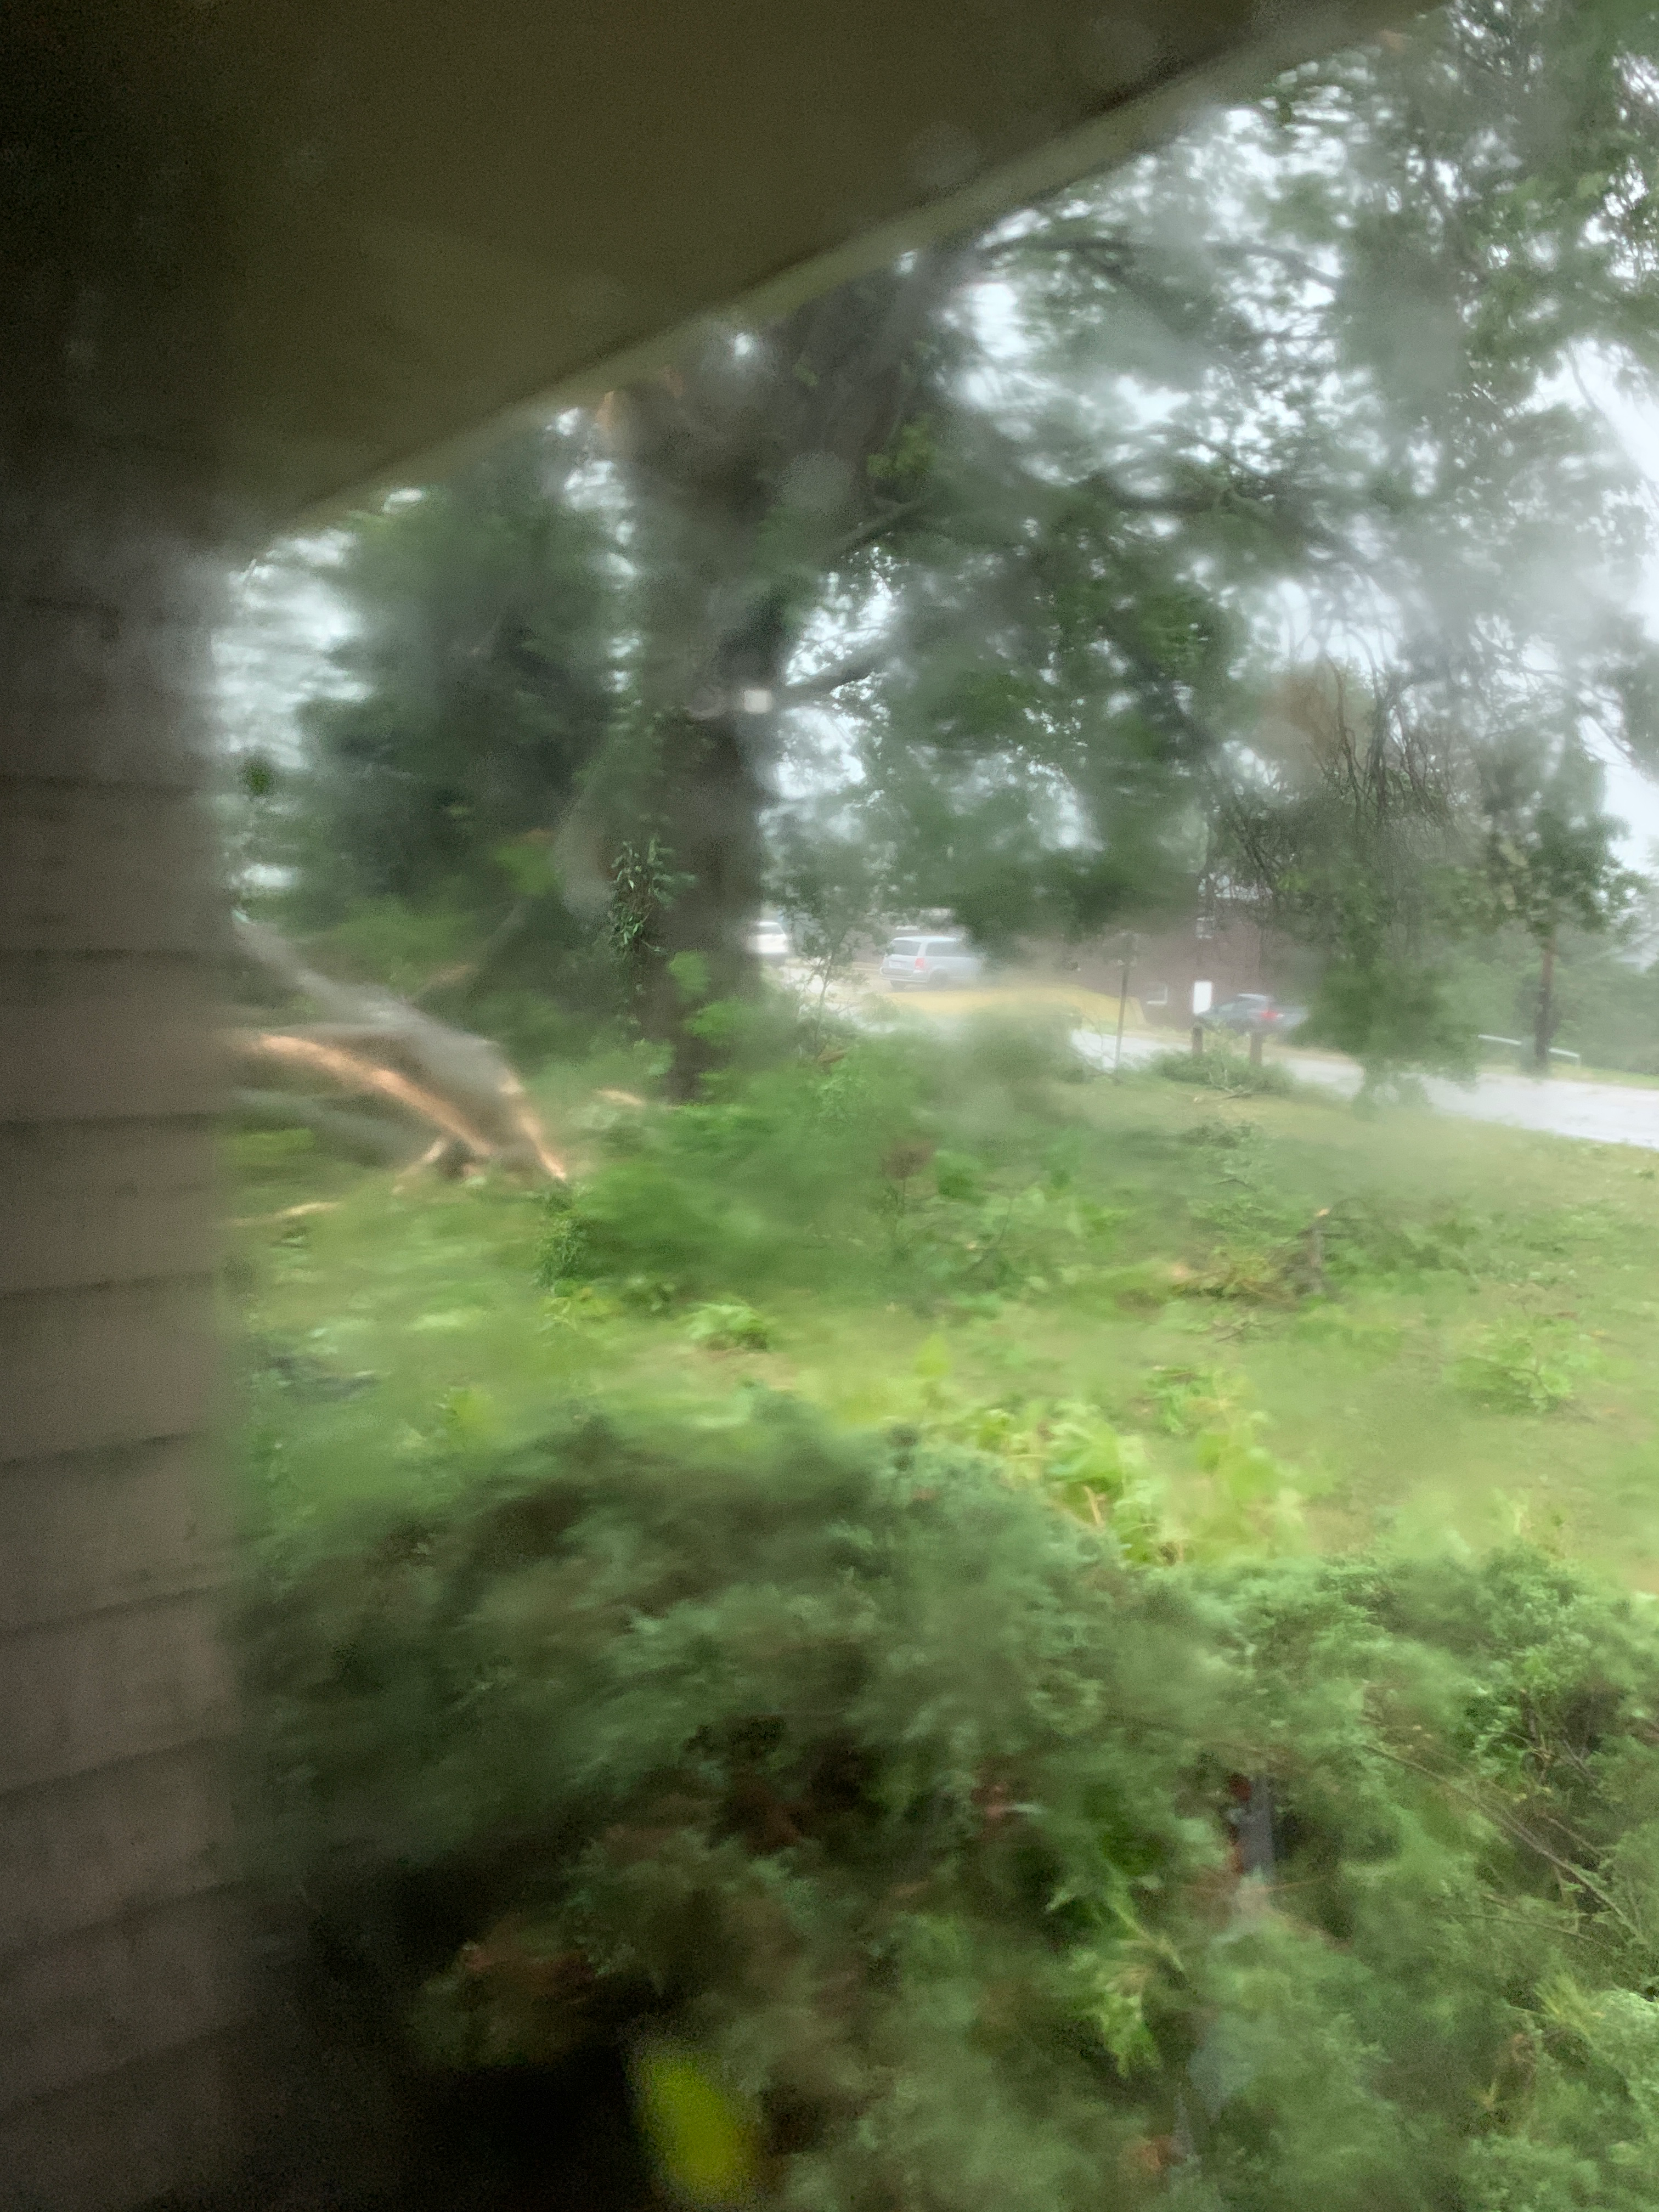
[431, 1158]
[352, 1071]
[367, 1137]
[472, 973]
[371, 1041]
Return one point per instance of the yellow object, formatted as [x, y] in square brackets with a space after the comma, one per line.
[1098, 1008]
[704, 2139]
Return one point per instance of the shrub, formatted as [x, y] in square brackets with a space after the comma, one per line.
[1523, 1367]
[875, 1788]
[730, 1325]
[857, 1769]
[751, 1185]
[829, 1172]
[1224, 1070]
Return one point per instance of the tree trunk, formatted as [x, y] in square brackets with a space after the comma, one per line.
[1544, 1027]
[710, 796]
[752, 469]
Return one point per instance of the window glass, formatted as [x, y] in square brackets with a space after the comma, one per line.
[1022, 1594]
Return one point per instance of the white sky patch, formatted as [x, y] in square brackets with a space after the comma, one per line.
[1631, 794]
[274, 652]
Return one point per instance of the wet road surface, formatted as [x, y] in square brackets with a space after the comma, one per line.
[1561, 1106]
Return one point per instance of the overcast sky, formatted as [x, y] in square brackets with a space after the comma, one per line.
[1631, 795]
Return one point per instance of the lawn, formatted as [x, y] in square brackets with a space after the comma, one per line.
[807, 1764]
[1403, 1325]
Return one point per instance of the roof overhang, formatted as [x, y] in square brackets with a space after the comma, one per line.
[439, 218]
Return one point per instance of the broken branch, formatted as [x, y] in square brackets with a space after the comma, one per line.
[352, 1072]
[374, 1043]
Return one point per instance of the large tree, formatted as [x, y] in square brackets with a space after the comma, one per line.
[1548, 859]
[1351, 826]
[759, 470]
[472, 692]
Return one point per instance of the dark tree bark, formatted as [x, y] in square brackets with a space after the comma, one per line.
[711, 796]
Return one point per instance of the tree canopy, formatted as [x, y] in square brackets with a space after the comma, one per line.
[996, 567]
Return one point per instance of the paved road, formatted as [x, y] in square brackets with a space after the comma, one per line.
[1564, 1106]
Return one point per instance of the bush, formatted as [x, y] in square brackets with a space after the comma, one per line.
[746, 1186]
[830, 1172]
[857, 1769]
[730, 1325]
[1225, 1070]
[870, 1781]
[1523, 1367]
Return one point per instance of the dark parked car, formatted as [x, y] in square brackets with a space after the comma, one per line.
[1251, 1011]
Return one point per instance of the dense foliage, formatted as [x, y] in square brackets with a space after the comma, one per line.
[882, 1785]
[987, 1793]
[415, 833]
[978, 584]
[992, 1800]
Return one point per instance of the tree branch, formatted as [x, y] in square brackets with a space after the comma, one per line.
[372, 1040]
[370, 1138]
[352, 1073]
[874, 527]
[854, 670]
[505, 935]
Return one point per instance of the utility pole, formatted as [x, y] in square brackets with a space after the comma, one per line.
[1546, 1023]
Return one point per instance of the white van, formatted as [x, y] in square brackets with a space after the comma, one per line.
[920, 961]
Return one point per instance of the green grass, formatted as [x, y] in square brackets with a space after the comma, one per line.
[1421, 1327]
